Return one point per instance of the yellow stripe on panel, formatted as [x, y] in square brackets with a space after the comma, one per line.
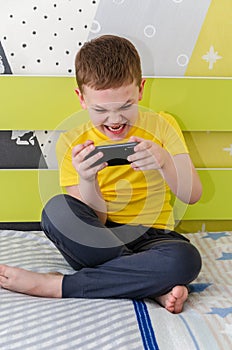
[212, 55]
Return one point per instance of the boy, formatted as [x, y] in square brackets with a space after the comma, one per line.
[115, 224]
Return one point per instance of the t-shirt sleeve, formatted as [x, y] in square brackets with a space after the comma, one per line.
[172, 137]
[67, 173]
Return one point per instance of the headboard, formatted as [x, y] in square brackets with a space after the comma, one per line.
[202, 106]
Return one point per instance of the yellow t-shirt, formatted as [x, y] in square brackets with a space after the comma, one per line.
[132, 197]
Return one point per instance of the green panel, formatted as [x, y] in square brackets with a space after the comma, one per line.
[186, 226]
[210, 149]
[215, 203]
[34, 103]
[197, 103]
[24, 193]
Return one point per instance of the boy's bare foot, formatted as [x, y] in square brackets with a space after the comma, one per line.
[174, 300]
[32, 283]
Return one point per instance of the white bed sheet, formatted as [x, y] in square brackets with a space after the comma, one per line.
[41, 323]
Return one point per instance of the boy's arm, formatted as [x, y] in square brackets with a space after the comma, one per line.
[90, 196]
[182, 178]
[88, 190]
[178, 170]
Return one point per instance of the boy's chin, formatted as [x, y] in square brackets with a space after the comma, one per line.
[116, 137]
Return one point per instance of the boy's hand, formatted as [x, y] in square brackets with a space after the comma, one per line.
[82, 165]
[148, 155]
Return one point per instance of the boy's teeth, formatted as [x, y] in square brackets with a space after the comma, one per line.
[114, 128]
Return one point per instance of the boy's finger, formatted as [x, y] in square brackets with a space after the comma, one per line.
[83, 151]
[76, 149]
[88, 142]
[93, 159]
[135, 139]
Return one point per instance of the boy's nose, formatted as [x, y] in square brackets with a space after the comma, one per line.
[115, 118]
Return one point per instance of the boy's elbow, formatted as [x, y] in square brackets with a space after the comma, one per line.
[196, 194]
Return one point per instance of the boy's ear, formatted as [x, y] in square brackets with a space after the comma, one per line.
[81, 98]
[141, 89]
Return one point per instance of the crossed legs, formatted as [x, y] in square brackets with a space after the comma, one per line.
[157, 265]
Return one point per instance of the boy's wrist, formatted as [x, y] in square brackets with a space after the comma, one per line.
[88, 181]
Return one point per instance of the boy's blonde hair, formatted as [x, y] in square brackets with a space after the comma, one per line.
[106, 62]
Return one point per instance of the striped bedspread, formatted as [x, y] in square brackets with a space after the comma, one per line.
[28, 323]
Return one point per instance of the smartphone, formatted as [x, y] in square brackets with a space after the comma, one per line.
[115, 154]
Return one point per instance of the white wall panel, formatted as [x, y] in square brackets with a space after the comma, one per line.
[164, 31]
[42, 36]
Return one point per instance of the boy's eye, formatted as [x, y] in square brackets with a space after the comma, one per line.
[100, 110]
[125, 107]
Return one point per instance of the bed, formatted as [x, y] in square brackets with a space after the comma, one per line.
[41, 323]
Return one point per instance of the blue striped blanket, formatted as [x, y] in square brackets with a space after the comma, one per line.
[80, 324]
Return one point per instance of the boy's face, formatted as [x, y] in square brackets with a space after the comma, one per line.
[112, 111]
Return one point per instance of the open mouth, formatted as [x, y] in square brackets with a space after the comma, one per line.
[116, 129]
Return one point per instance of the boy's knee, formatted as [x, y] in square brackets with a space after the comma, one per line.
[51, 209]
[187, 261]
[57, 204]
